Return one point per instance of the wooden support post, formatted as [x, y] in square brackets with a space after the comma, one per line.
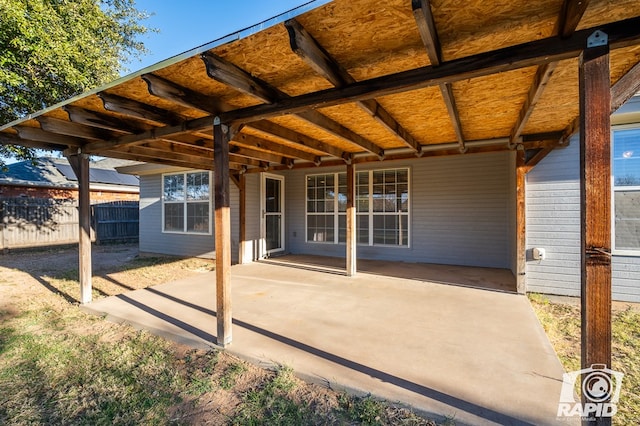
[521, 221]
[595, 199]
[80, 165]
[223, 232]
[351, 222]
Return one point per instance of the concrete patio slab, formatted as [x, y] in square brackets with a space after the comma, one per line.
[478, 356]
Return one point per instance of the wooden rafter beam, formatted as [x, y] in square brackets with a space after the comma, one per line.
[299, 138]
[180, 148]
[170, 91]
[39, 135]
[427, 28]
[151, 154]
[627, 86]
[621, 92]
[148, 157]
[540, 80]
[68, 128]
[233, 76]
[176, 93]
[538, 156]
[187, 153]
[91, 118]
[257, 154]
[308, 48]
[570, 15]
[338, 130]
[251, 141]
[103, 121]
[163, 133]
[151, 134]
[445, 149]
[237, 152]
[7, 139]
[621, 34]
[245, 161]
[450, 102]
[139, 110]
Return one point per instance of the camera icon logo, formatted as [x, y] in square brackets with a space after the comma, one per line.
[599, 385]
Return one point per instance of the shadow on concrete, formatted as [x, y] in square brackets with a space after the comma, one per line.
[168, 318]
[483, 412]
[492, 279]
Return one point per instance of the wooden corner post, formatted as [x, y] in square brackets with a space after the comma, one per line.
[80, 164]
[521, 221]
[595, 199]
[351, 222]
[223, 231]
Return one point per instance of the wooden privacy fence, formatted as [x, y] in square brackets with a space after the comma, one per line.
[35, 222]
[115, 221]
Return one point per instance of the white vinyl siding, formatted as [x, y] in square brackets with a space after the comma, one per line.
[459, 212]
[553, 223]
[153, 240]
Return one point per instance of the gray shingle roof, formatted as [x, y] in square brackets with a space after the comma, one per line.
[58, 172]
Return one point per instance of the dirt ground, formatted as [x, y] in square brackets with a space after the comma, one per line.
[46, 280]
[116, 269]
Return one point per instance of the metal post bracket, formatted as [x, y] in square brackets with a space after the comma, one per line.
[598, 38]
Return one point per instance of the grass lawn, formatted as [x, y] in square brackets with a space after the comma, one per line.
[59, 365]
[561, 322]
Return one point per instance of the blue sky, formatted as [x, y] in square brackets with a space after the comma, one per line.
[186, 24]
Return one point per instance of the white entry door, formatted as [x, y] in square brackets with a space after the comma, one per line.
[272, 223]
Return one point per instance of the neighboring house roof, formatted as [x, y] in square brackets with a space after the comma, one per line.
[58, 173]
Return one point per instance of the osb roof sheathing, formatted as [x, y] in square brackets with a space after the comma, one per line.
[423, 114]
[485, 103]
[371, 39]
[369, 43]
[471, 27]
[558, 104]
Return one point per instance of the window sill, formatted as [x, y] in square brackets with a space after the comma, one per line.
[626, 253]
[187, 233]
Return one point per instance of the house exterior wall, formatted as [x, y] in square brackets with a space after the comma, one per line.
[460, 212]
[553, 223]
[154, 240]
[252, 220]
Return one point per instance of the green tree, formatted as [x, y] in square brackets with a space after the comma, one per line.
[51, 50]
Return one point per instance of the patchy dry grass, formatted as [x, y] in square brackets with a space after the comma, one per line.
[562, 324]
[59, 365]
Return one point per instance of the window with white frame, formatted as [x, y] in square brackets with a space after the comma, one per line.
[382, 207]
[186, 203]
[326, 208]
[626, 189]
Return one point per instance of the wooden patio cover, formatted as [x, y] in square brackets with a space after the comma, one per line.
[356, 81]
[353, 81]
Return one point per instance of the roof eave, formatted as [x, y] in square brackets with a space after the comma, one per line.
[238, 35]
